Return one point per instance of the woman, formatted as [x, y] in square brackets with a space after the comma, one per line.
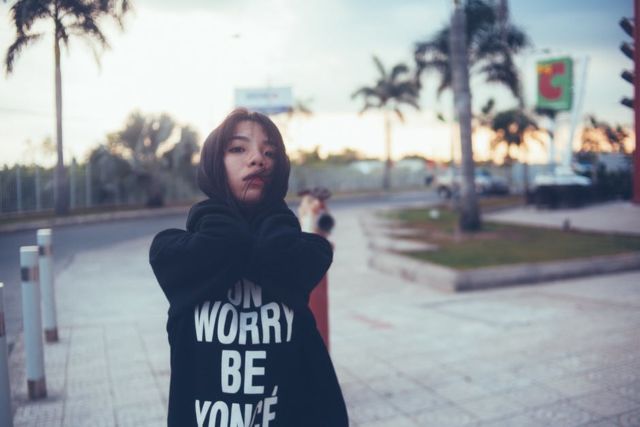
[245, 350]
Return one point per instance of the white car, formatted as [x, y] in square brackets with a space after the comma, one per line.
[448, 184]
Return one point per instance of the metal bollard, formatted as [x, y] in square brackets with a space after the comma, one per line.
[49, 318]
[32, 322]
[6, 418]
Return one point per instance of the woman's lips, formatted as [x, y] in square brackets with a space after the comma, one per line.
[256, 182]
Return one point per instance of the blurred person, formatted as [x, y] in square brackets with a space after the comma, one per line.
[245, 349]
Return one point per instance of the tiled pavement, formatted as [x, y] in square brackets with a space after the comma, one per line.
[558, 354]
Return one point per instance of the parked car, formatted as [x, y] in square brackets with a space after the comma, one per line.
[564, 187]
[448, 184]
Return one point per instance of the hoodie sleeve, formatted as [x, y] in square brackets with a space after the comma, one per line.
[288, 261]
[202, 263]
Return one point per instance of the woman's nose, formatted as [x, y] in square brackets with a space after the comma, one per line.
[257, 159]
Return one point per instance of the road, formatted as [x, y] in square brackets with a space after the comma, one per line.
[70, 240]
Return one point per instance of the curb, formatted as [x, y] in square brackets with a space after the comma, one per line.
[93, 218]
[451, 280]
[384, 258]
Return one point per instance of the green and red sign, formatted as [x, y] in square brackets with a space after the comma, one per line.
[555, 84]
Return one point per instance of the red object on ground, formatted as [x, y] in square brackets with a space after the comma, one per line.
[319, 304]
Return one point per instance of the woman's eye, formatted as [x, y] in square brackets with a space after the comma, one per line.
[270, 154]
[236, 150]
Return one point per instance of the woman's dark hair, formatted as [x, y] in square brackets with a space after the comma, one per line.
[212, 176]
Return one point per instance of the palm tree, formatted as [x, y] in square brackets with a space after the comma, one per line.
[512, 128]
[391, 91]
[479, 40]
[69, 18]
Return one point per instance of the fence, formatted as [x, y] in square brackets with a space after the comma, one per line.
[32, 188]
[92, 185]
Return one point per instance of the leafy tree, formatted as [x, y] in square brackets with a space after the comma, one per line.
[111, 175]
[179, 159]
[69, 18]
[390, 92]
[600, 136]
[140, 142]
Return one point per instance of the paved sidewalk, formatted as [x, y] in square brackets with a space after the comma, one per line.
[563, 354]
[614, 217]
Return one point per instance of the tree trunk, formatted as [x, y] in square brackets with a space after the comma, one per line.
[525, 169]
[509, 165]
[61, 184]
[469, 215]
[386, 177]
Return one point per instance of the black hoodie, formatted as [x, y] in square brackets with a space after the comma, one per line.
[245, 350]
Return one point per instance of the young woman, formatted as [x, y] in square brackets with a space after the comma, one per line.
[245, 350]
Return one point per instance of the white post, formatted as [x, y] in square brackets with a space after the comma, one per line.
[49, 320]
[6, 417]
[32, 322]
[575, 113]
[552, 145]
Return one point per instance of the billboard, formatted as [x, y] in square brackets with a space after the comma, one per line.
[269, 100]
[555, 84]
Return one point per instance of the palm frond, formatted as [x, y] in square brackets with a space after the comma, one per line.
[446, 81]
[380, 67]
[21, 41]
[488, 107]
[24, 13]
[505, 73]
[117, 9]
[89, 29]
[397, 71]
[79, 9]
[62, 34]
[366, 92]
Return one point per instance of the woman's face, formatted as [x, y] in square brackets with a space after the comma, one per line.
[249, 161]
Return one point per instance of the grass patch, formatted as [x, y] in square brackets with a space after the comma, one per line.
[503, 244]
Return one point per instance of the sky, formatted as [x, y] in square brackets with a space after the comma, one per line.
[186, 58]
